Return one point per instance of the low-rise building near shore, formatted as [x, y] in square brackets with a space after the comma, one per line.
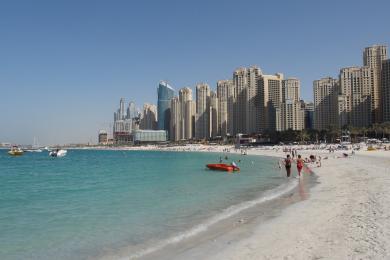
[149, 136]
[103, 137]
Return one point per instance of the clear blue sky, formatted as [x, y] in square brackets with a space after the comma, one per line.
[65, 64]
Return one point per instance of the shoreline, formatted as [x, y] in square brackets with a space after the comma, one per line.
[346, 216]
[259, 209]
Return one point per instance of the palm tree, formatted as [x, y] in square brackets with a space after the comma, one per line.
[303, 135]
[356, 131]
[333, 131]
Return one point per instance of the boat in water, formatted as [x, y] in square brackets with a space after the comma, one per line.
[34, 150]
[58, 153]
[223, 167]
[15, 151]
[35, 147]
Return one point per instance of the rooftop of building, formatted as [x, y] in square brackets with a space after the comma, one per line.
[165, 84]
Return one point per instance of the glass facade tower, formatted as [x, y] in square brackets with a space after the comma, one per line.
[164, 93]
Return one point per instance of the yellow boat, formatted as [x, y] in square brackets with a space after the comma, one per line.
[15, 151]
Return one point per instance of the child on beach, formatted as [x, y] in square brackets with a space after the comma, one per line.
[299, 165]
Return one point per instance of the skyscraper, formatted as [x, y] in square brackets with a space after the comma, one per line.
[308, 107]
[386, 89]
[225, 94]
[247, 106]
[356, 86]
[122, 126]
[213, 114]
[202, 118]
[131, 110]
[149, 117]
[176, 120]
[291, 89]
[164, 95]
[270, 95]
[240, 84]
[122, 109]
[373, 57]
[326, 92]
[290, 114]
[187, 113]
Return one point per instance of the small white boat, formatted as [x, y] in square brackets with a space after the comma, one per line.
[34, 150]
[58, 153]
[35, 147]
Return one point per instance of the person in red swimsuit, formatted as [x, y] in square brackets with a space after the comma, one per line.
[299, 165]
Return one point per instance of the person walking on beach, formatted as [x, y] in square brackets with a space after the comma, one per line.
[287, 165]
[299, 165]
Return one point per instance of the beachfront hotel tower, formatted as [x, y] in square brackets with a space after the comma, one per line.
[164, 95]
[148, 119]
[326, 92]
[290, 114]
[225, 94]
[202, 117]
[270, 97]
[385, 81]
[187, 113]
[373, 58]
[182, 115]
[213, 114]
[246, 110]
[356, 90]
[291, 89]
[175, 122]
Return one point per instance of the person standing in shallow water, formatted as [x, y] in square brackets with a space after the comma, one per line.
[287, 165]
[299, 165]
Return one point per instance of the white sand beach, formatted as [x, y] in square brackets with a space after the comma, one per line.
[346, 216]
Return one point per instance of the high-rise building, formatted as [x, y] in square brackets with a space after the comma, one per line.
[291, 89]
[122, 126]
[308, 107]
[148, 119]
[186, 112]
[290, 114]
[202, 118]
[164, 95]
[356, 86]
[373, 57]
[213, 114]
[386, 89]
[326, 92]
[176, 120]
[246, 112]
[131, 110]
[342, 110]
[270, 96]
[122, 109]
[225, 94]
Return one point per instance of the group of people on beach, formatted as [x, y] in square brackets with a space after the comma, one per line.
[288, 161]
[300, 162]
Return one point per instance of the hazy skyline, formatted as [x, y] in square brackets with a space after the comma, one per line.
[64, 65]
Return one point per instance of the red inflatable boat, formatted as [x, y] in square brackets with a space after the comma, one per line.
[222, 167]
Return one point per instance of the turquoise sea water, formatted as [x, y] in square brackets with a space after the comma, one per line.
[90, 203]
